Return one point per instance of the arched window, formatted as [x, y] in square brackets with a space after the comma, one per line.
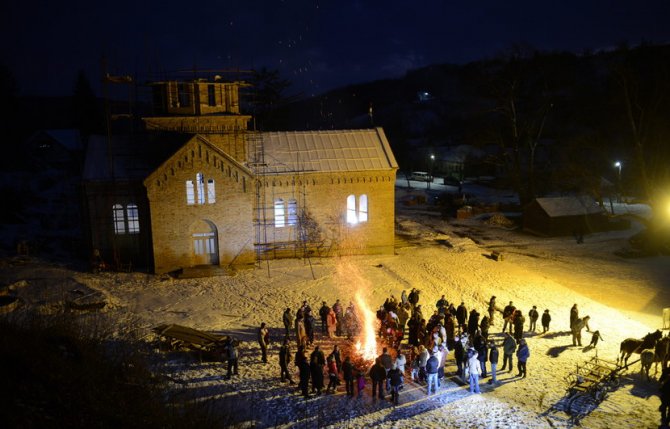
[363, 208]
[190, 193]
[357, 214]
[211, 191]
[280, 216]
[351, 209]
[200, 180]
[119, 219]
[292, 212]
[198, 193]
[133, 217]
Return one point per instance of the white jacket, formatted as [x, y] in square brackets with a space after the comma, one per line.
[473, 366]
[400, 362]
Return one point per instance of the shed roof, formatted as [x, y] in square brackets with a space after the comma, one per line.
[569, 206]
[328, 151]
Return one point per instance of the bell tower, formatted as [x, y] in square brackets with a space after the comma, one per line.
[201, 107]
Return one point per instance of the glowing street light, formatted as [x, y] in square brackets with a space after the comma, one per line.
[618, 165]
[430, 174]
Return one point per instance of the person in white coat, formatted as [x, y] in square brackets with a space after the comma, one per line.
[472, 370]
[400, 361]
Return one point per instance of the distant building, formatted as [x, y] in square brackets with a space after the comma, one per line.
[218, 194]
[59, 149]
[559, 216]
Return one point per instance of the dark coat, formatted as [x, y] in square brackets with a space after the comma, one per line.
[519, 320]
[484, 324]
[336, 356]
[493, 355]
[546, 318]
[348, 370]
[316, 371]
[323, 311]
[459, 352]
[377, 372]
[533, 314]
[395, 377]
[432, 364]
[284, 355]
[574, 315]
[461, 314]
[508, 311]
[473, 321]
[509, 345]
[482, 352]
[303, 367]
[318, 357]
[287, 318]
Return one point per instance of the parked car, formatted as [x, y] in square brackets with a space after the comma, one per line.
[421, 176]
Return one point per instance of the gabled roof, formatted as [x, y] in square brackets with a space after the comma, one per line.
[569, 206]
[69, 138]
[327, 151]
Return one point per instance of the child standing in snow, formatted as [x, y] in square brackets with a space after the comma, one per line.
[360, 382]
[594, 339]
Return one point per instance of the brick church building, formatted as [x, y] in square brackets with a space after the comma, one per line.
[201, 189]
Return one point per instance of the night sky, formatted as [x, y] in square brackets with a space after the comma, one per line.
[317, 45]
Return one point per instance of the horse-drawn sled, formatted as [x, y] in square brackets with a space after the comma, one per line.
[589, 384]
[178, 337]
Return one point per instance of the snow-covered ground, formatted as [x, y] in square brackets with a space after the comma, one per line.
[624, 298]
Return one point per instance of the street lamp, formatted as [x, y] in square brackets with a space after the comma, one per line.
[430, 173]
[618, 165]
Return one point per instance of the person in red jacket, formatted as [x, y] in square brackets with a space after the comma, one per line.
[333, 379]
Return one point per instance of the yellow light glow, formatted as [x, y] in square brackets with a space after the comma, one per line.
[349, 277]
[367, 343]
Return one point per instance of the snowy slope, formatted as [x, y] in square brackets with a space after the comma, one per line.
[623, 298]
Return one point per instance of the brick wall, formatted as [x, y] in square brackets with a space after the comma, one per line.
[239, 222]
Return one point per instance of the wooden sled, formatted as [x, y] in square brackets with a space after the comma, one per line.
[179, 337]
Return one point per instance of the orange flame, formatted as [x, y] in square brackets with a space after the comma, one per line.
[367, 343]
[349, 275]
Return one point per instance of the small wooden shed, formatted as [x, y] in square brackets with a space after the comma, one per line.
[556, 216]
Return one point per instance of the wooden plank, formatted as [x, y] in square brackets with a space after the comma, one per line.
[188, 335]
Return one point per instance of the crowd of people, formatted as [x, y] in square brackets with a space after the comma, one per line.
[416, 344]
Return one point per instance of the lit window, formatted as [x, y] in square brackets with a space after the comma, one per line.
[204, 243]
[280, 217]
[357, 214]
[190, 193]
[119, 219]
[211, 192]
[292, 212]
[201, 188]
[363, 208]
[132, 214]
[351, 209]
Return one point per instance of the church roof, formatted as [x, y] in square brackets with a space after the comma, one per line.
[327, 151]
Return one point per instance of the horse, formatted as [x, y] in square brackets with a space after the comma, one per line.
[662, 353]
[635, 345]
[647, 357]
